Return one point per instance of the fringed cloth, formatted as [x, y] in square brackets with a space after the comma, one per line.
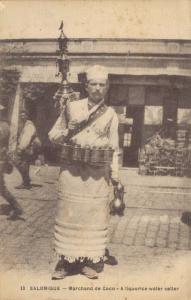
[83, 212]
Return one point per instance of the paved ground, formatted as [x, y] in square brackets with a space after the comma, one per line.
[151, 242]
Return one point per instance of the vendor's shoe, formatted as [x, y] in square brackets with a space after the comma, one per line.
[89, 272]
[109, 259]
[59, 274]
[23, 186]
[60, 271]
[98, 267]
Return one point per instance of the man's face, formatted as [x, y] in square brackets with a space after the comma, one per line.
[97, 89]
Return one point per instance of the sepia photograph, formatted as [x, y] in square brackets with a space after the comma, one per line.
[95, 149]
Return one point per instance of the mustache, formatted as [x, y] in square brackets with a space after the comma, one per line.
[97, 93]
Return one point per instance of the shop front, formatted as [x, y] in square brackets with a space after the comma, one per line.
[157, 105]
[143, 108]
[150, 86]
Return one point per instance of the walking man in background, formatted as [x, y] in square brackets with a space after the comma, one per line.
[6, 167]
[83, 206]
[24, 152]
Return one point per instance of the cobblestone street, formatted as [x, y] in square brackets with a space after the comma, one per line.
[149, 239]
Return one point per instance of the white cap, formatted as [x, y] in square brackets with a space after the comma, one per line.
[2, 107]
[97, 72]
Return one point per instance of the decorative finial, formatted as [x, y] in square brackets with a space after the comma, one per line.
[61, 25]
[65, 91]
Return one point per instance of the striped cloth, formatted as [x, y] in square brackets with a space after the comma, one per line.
[83, 212]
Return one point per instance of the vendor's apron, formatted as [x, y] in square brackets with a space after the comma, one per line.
[83, 211]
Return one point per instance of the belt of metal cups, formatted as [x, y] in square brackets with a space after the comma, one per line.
[86, 154]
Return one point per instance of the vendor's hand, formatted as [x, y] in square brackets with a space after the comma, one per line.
[72, 124]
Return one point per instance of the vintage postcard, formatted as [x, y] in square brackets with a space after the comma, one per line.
[95, 149]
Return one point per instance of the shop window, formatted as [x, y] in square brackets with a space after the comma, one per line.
[160, 111]
[184, 116]
[184, 106]
[170, 106]
[153, 115]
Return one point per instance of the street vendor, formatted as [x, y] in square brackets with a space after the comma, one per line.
[24, 152]
[6, 167]
[88, 132]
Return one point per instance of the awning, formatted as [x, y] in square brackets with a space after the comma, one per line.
[48, 73]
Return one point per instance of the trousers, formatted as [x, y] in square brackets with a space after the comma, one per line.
[22, 163]
[4, 192]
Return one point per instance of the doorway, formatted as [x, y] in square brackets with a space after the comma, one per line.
[130, 153]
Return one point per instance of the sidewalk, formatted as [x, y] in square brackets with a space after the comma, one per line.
[149, 239]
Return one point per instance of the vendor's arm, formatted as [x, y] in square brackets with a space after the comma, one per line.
[59, 130]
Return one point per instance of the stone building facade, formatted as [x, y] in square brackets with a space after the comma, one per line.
[150, 84]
